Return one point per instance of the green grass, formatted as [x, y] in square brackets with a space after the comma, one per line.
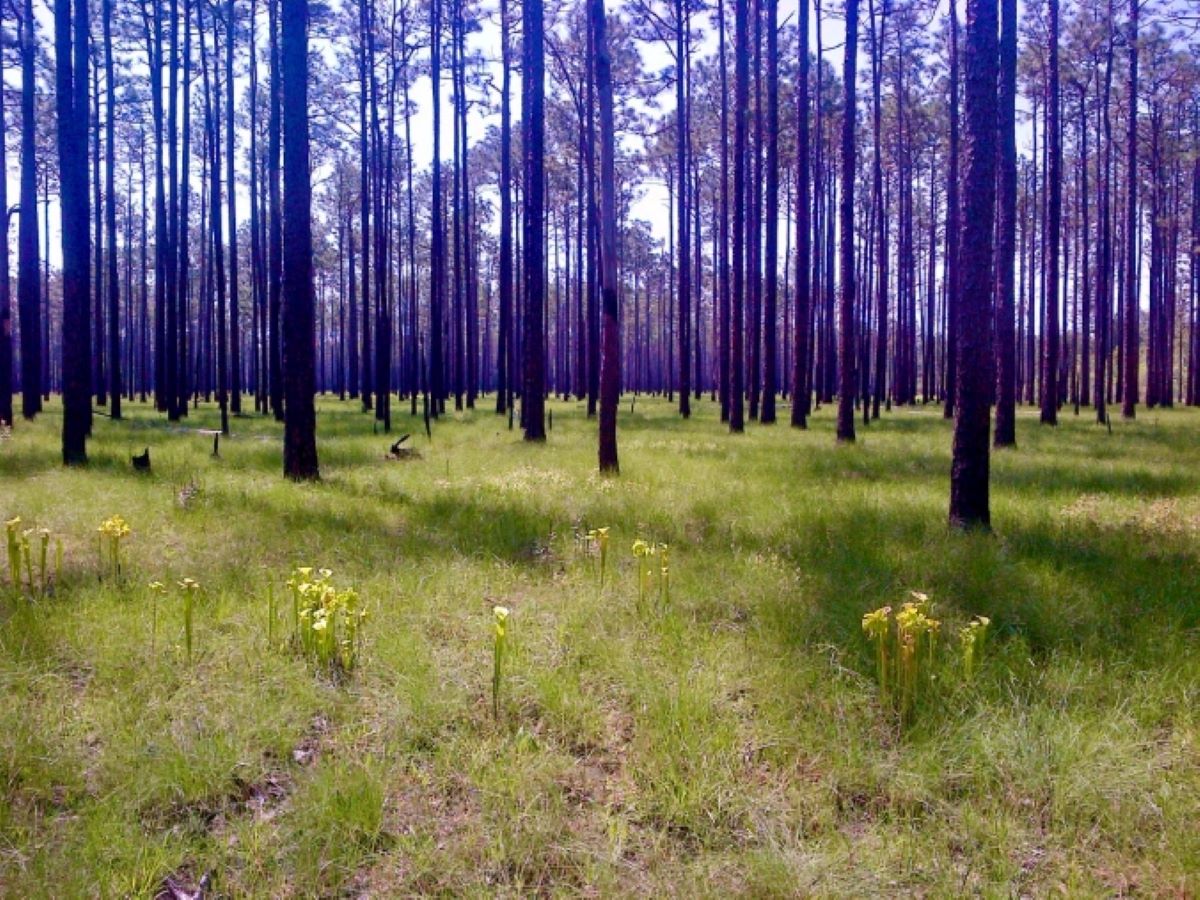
[733, 743]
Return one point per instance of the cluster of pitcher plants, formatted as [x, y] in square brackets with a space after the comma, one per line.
[326, 621]
[650, 557]
[110, 534]
[22, 573]
[905, 642]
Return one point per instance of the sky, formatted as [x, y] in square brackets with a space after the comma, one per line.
[652, 206]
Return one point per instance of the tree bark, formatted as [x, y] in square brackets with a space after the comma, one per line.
[6, 346]
[504, 329]
[110, 219]
[275, 220]
[235, 330]
[1050, 358]
[71, 68]
[1006, 237]
[969, 502]
[846, 348]
[771, 221]
[741, 194]
[1132, 313]
[723, 371]
[610, 363]
[300, 438]
[803, 233]
[681, 163]
[532, 110]
[29, 299]
[436, 262]
[953, 283]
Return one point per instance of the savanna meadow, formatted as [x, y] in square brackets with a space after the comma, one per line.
[480, 668]
[599, 448]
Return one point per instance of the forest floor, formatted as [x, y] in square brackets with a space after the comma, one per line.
[730, 739]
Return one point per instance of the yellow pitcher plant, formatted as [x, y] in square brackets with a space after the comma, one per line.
[500, 616]
[112, 531]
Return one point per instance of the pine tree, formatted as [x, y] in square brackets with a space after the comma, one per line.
[969, 506]
[300, 438]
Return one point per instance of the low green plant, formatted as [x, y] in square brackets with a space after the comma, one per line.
[190, 587]
[157, 589]
[905, 647]
[43, 559]
[27, 557]
[112, 532]
[500, 616]
[877, 626]
[328, 621]
[970, 638]
[599, 536]
[271, 615]
[643, 551]
[12, 531]
[20, 558]
[664, 575]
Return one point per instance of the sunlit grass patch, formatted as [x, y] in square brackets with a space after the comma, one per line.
[724, 734]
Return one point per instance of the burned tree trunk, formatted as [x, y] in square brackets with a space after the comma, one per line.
[969, 505]
[610, 362]
[847, 370]
[300, 438]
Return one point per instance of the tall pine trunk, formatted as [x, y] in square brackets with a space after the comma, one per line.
[1050, 353]
[846, 347]
[771, 220]
[71, 96]
[504, 327]
[681, 163]
[1006, 237]
[275, 220]
[110, 219]
[29, 299]
[300, 427]
[533, 88]
[1132, 315]
[741, 193]
[6, 346]
[969, 505]
[235, 330]
[953, 282]
[610, 377]
[803, 233]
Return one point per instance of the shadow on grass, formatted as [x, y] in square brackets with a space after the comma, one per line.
[397, 526]
[1055, 587]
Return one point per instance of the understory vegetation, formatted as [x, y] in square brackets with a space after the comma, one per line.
[726, 735]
